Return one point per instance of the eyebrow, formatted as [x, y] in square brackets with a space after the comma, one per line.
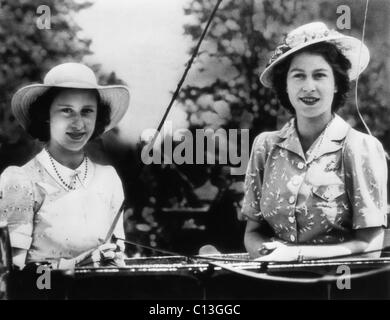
[70, 106]
[316, 70]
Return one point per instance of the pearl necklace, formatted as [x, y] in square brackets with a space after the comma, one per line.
[314, 153]
[70, 186]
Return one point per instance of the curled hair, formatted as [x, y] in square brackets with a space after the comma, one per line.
[338, 62]
[39, 115]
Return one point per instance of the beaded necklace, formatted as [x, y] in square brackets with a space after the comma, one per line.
[314, 153]
[70, 186]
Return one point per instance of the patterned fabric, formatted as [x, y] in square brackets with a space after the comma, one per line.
[320, 196]
[52, 222]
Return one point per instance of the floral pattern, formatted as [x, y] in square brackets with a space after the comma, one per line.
[299, 38]
[321, 200]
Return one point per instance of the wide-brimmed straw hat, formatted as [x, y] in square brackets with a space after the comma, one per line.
[353, 49]
[76, 76]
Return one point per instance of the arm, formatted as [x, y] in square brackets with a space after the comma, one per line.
[255, 236]
[366, 240]
[116, 203]
[17, 208]
[256, 227]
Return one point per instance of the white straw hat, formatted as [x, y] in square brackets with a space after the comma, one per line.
[316, 32]
[71, 75]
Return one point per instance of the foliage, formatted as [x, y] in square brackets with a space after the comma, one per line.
[238, 46]
[27, 53]
[226, 90]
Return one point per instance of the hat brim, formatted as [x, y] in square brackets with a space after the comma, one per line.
[353, 49]
[116, 96]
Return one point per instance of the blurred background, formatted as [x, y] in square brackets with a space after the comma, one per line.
[145, 44]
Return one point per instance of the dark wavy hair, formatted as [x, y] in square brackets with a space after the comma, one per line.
[338, 62]
[39, 115]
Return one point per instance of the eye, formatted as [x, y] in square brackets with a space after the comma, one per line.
[88, 111]
[66, 110]
[298, 75]
[320, 75]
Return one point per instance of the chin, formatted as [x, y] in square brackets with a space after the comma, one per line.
[312, 112]
[75, 146]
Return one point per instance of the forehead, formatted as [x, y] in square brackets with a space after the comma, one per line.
[76, 97]
[309, 61]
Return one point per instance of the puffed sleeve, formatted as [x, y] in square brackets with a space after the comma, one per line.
[253, 180]
[116, 202]
[17, 205]
[366, 180]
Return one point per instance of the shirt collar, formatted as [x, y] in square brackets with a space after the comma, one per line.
[66, 173]
[335, 134]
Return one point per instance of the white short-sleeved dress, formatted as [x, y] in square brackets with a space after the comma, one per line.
[51, 221]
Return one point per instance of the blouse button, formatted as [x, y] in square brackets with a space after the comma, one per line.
[301, 165]
[291, 200]
[291, 219]
[292, 237]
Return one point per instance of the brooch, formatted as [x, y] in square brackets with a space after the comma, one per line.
[331, 166]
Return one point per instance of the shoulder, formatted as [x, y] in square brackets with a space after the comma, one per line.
[21, 176]
[14, 175]
[106, 172]
[358, 142]
[365, 152]
[266, 139]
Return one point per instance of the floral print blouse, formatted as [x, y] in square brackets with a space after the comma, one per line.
[51, 221]
[340, 184]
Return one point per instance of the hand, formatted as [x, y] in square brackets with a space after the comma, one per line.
[279, 252]
[107, 254]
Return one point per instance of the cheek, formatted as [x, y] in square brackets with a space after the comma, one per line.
[90, 122]
[291, 88]
[330, 91]
[57, 124]
[292, 91]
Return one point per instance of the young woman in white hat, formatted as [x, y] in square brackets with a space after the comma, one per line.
[60, 205]
[317, 187]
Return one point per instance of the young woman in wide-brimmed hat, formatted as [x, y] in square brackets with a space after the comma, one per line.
[60, 205]
[317, 187]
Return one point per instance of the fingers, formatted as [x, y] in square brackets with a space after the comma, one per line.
[107, 246]
[104, 253]
[121, 245]
[108, 255]
[268, 247]
[111, 251]
[271, 245]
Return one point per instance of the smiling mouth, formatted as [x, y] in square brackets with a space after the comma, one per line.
[76, 135]
[309, 100]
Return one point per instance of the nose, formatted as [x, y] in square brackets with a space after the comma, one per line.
[308, 85]
[77, 122]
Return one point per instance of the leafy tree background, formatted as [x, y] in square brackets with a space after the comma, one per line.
[226, 91]
[26, 54]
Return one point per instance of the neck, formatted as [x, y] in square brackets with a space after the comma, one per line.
[68, 158]
[310, 128]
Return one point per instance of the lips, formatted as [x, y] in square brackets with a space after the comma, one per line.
[309, 100]
[76, 135]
